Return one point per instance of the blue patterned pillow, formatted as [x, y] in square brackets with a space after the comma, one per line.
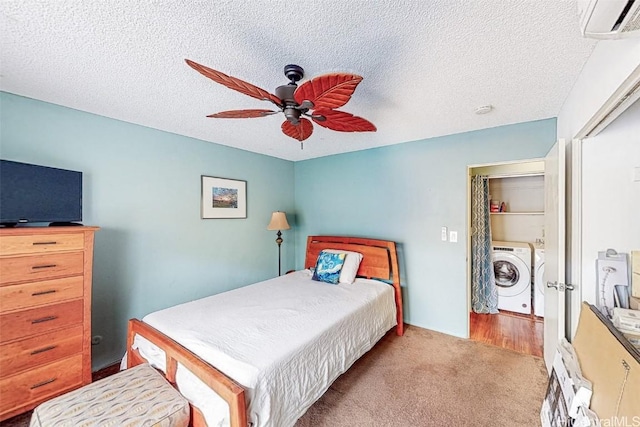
[328, 267]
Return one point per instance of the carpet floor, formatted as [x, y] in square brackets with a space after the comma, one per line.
[426, 378]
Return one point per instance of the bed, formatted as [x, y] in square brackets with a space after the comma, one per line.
[262, 354]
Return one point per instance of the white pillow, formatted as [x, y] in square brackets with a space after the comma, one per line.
[350, 266]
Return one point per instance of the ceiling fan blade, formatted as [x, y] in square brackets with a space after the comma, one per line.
[342, 122]
[301, 131]
[242, 114]
[328, 90]
[234, 83]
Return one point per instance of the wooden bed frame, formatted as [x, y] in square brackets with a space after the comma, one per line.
[380, 261]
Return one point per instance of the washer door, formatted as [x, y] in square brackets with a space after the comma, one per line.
[512, 274]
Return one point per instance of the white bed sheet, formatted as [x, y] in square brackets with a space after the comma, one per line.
[285, 340]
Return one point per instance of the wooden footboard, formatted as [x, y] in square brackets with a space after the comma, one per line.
[224, 386]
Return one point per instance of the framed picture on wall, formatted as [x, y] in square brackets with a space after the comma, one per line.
[223, 198]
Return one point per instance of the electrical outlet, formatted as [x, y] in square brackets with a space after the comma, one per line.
[453, 236]
[444, 234]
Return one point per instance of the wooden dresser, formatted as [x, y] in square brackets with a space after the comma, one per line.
[45, 314]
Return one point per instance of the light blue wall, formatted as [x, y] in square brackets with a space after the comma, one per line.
[142, 187]
[406, 193]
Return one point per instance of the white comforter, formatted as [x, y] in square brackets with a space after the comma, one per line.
[285, 340]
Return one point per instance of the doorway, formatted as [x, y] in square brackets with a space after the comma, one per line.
[516, 191]
[514, 331]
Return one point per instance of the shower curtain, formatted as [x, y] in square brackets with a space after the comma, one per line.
[484, 294]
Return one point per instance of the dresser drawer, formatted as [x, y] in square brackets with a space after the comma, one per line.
[26, 323]
[28, 295]
[41, 243]
[40, 384]
[40, 267]
[26, 354]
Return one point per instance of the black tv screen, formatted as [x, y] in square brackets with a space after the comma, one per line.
[32, 193]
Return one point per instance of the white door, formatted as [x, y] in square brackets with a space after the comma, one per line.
[554, 236]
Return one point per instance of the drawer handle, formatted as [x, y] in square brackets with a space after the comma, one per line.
[42, 350]
[43, 319]
[45, 382]
[44, 243]
[37, 267]
[50, 291]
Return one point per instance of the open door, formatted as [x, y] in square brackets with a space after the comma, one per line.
[554, 265]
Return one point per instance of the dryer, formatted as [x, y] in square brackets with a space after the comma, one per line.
[512, 268]
[538, 282]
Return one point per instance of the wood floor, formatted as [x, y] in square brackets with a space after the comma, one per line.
[521, 333]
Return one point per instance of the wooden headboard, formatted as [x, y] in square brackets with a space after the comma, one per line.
[379, 261]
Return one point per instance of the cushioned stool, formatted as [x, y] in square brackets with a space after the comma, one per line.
[139, 396]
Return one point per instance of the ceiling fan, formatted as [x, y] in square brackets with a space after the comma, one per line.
[316, 98]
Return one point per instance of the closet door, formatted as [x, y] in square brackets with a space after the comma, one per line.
[554, 267]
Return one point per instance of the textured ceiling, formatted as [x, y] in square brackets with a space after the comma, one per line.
[426, 64]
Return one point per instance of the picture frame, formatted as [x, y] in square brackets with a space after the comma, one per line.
[222, 198]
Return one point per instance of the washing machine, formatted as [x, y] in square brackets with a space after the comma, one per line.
[512, 268]
[538, 282]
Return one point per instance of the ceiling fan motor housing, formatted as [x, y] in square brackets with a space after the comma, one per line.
[290, 108]
[285, 93]
[292, 114]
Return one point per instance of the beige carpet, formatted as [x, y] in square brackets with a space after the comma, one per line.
[430, 379]
[427, 379]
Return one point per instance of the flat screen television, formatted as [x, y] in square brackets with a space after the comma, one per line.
[35, 194]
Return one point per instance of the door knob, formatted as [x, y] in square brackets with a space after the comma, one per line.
[561, 286]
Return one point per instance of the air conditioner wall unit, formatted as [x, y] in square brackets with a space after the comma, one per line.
[609, 19]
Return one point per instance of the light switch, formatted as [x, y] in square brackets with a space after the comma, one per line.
[444, 234]
[636, 174]
[453, 236]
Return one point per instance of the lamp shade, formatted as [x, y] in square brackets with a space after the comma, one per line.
[278, 221]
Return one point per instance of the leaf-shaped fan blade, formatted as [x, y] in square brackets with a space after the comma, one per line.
[343, 122]
[234, 83]
[328, 90]
[301, 131]
[242, 114]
